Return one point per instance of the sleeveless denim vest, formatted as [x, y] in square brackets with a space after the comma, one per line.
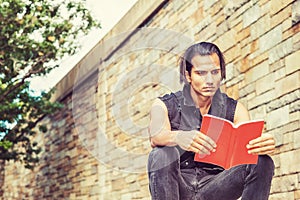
[184, 115]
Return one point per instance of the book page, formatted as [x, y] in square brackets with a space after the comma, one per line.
[243, 135]
[214, 128]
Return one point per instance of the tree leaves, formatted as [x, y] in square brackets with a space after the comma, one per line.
[34, 36]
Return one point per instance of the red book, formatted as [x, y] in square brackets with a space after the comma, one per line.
[231, 141]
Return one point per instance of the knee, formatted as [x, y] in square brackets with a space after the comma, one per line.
[266, 161]
[165, 153]
[266, 164]
[161, 157]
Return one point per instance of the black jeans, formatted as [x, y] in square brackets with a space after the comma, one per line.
[167, 181]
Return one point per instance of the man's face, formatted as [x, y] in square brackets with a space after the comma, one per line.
[205, 75]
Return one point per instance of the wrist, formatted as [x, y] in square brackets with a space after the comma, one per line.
[174, 139]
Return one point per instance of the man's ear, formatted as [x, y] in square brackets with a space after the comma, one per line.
[187, 76]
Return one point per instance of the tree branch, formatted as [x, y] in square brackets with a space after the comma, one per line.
[26, 76]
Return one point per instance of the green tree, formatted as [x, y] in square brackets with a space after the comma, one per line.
[34, 36]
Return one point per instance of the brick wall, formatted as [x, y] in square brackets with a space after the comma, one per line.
[97, 145]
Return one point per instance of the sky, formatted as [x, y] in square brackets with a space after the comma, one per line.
[108, 12]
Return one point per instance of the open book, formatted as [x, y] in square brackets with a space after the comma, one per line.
[231, 141]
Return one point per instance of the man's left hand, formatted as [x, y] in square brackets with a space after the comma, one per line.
[265, 144]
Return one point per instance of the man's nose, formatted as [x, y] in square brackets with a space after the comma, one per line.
[209, 78]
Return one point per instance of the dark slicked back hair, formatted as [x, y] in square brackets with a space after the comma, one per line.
[202, 49]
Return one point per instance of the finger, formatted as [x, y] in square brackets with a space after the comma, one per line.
[263, 153]
[207, 139]
[255, 141]
[262, 150]
[200, 148]
[262, 138]
[204, 143]
[261, 144]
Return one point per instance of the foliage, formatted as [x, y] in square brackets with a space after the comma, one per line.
[34, 36]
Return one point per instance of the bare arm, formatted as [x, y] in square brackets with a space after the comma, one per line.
[160, 128]
[161, 134]
[262, 145]
[241, 114]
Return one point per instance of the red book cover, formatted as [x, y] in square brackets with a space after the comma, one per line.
[231, 141]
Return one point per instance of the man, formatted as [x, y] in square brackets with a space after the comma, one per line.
[175, 137]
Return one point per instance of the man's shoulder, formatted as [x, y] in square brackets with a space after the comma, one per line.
[171, 101]
[225, 96]
[171, 96]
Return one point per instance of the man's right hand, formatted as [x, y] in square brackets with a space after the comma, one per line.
[195, 141]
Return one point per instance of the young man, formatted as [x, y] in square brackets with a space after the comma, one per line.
[175, 137]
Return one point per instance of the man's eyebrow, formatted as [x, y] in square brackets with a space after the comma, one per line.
[207, 70]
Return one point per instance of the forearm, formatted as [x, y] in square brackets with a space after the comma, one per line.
[164, 138]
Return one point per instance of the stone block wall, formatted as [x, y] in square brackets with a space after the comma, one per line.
[98, 144]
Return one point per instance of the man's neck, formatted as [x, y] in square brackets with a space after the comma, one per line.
[202, 102]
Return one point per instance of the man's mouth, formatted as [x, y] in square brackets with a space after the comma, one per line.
[208, 88]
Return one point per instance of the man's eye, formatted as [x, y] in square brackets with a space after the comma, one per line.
[216, 71]
[202, 73]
